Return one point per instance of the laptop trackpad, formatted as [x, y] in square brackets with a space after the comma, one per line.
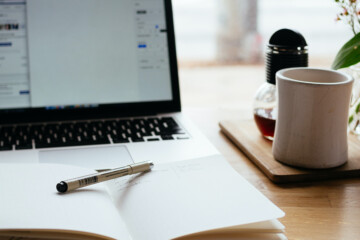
[93, 157]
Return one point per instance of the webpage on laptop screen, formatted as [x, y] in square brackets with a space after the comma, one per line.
[75, 52]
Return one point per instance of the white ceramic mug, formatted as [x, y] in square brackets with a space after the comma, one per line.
[311, 127]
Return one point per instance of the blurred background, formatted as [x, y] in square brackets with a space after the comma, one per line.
[221, 44]
[228, 32]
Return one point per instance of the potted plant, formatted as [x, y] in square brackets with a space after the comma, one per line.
[349, 56]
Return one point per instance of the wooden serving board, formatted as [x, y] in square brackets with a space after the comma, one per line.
[245, 135]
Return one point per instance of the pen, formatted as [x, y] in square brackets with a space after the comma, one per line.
[75, 183]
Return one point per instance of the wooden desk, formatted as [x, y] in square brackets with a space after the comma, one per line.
[316, 210]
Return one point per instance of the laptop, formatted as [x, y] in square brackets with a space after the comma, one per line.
[92, 83]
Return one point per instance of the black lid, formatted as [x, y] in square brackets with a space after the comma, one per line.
[287, 38]
[287, 48]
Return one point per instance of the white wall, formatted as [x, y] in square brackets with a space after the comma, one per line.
[196, 24]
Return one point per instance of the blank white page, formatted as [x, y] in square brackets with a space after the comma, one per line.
[29, 200]
[185, 197]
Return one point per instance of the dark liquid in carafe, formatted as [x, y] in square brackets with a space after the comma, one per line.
[265, 121]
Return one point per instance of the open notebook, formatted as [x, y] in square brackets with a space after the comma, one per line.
[193, 199]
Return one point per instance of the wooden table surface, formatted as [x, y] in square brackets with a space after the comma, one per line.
[314, 210]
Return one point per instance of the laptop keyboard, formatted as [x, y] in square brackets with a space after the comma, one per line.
[81, 133]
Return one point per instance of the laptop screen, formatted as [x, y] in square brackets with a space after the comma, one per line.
[68, 54]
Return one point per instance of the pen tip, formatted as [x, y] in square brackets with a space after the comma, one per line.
[151, 165]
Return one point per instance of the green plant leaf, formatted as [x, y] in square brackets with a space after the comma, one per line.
[357, 110]
[349, 54]
[351, 118]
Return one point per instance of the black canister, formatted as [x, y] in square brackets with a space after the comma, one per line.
[287, 48]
